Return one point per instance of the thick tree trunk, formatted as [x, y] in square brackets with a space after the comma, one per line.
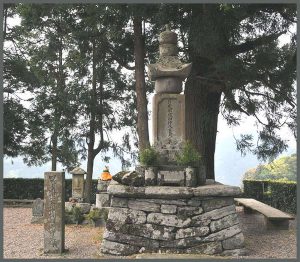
[202, 109]
[142, 113]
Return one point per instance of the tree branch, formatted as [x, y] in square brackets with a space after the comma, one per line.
[251, 44]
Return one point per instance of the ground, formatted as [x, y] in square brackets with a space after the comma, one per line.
[24, 240]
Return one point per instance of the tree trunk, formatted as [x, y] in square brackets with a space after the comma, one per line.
[54, 152]
[142, 113]
[91, 134]
[202, 109]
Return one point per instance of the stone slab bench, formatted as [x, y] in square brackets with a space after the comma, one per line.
[274, 218]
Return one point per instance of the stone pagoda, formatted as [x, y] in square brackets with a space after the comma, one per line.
[168, 102]
[171, 214]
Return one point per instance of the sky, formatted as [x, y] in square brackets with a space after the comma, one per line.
[229, 164]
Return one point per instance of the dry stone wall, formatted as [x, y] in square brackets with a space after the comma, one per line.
[184, 224]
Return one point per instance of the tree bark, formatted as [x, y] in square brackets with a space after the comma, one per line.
[91, 134]
[54, 152]
[142, 113]
[202, 109]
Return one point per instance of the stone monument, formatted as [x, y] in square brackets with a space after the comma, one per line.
[37, 211]
[54, 212]
[78, 183]
[102, 197]
[168, 104]
[172, 214]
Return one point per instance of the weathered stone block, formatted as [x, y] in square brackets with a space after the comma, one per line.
[217, 190]
[218, 213]
[195, 201]
[177, 202]
[168, 121]
[118, 249]
[168, 192]
[37, 211]
[126, 216]
[148, 230]
[235, 252]
[151, 176]
[118, 202]
[143, 205]
[125, 191]
[54, 212]
[85, 207]
[102, 200]
[130, 239]
[189, 211]
[234, 242]
[174, 178]
[190, 177]
[167, 220]
[181, 243]
[192, 232]
[224, 222]
[223, 234]
[103, 185]
[168, 209]
[211, 204]
[211, 248]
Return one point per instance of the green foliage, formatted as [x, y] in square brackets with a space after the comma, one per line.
[283, 168]
[149, 157]
[74, 216]
[188, 156]
[32, 188]
[280, 194]
[97, 213]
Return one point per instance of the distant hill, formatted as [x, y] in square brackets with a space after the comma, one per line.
[283, 168]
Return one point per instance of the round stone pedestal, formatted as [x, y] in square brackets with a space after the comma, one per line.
[160, 219]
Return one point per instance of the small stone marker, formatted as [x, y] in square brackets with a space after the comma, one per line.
[54, 212]
[78, 183]
[37, 211]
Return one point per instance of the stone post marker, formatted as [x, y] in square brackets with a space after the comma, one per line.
[78, 183]
[168, 104]
[54, 212]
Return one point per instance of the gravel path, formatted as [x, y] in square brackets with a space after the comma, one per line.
[24, 240]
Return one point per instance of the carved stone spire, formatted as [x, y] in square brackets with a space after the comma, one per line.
[169, 72]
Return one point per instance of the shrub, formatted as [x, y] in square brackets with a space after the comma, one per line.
[280, 194]
[188, 156]
[148, 157]
[73, 216]
[32, 188]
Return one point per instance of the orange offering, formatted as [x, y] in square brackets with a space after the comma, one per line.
[105, 174]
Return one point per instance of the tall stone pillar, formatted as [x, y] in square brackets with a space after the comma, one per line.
[54, 212]
[168, 104]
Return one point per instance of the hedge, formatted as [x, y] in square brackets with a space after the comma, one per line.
[278, 194]
[32, 188]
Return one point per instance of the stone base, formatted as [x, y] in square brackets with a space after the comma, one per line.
[162, 219]
[37, 220]
[102, 200]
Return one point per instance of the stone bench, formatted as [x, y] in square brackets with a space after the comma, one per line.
[274, 218]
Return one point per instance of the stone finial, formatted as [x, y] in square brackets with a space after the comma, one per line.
[169, 72]
[77, 171]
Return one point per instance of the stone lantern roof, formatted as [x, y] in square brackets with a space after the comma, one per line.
[77, 171]
[168, 63]
[168, 71]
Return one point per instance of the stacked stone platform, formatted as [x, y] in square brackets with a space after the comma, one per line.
[173, 220]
